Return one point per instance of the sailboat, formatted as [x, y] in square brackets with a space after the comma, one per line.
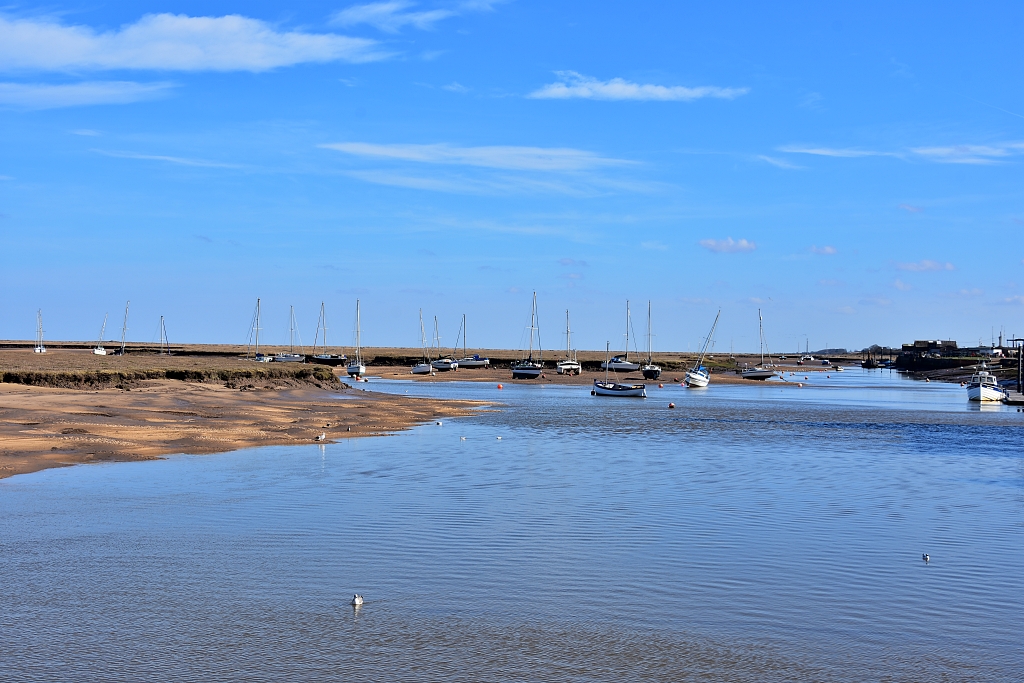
[610, 388]
[446, 363]
[622, 362]
[356, 368]
[259, 357]
[423, 367]
[760, 371]
[649, 369]
[698, 376]
[124, 330]
[291, 356]
[323, 357]
[528, 368]
[467, 361]
[568, 366]
[99, 350]
[39, 348]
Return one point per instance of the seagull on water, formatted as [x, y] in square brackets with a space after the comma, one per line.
[357, 600]
[926, 557]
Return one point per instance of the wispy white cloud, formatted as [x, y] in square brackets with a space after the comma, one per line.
[728, 245]
[826, 250]
[911, 209]
[46, 96]
[181, 161]
[833, 151]
[944, 154]
[6, 177]
[174, 42]
[655, 246]
[901, 285]
[1017, 299]
[455, 86]
[780, 163]
[925, 266]
[558, 159]
[970, 154]
[390, 16]
[571, 84]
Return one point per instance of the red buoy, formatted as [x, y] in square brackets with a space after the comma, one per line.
[671, 405]
[500, 387]
[661, 386]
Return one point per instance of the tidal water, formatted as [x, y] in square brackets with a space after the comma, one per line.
[754, 533]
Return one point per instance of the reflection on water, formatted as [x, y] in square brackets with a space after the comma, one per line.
[754, 533]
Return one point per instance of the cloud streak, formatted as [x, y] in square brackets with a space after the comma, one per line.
[172, 42]
[572, 85]
[945, 154]
[728, 245]
[552, 159]
[46, 96]
[826, 250]
[181, 161]
[390, 17]
[925, 266]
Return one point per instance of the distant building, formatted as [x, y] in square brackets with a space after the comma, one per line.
[931, 348]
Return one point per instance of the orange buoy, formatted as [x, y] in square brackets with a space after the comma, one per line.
[671, 405]
[500, 387]
[661, 386]
[799, 384]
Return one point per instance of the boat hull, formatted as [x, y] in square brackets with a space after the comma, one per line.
[422, 369]
[289, 358]
[327, 360]
[568, 367]
[474, 362]
[622, 390]
[759, 374]
[356, 370]
[444, 365]
[696, 379]
[651, 371]
[527, 371]
[985, 393]
[620, 366]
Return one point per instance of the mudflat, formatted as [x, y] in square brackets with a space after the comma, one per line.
[122, 417]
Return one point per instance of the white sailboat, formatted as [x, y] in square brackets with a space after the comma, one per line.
[124, 330]
[99, 350]
[610, 388]
[291, 356]
[40, 347]
[569, 365]
[529, 368]
[442, 363]
[255, 331]
[467, 361]
[356, 368]
[622, 362]
[324, 357]
[984, 387]
[423, 367]
[699, 376]
[761, 371]
[649, 369]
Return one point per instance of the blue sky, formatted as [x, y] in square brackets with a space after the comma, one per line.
[853, 172]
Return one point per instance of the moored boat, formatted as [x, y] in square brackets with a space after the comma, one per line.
[290, 356]
[39, 347]
[699, 376]
[649, 369]
[467, 361]
[607, 387]
[762, 370]
[445, 363]
[356, 368]
[529, 367]
[423, 367]
[984, 387]
[568, 365]
[622, 363]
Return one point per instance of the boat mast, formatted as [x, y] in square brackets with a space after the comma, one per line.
[760, 327]
[257, 326]
[103, 330]
[607, 358]
[465, 353]
[568, 337]
[291, 329]
[39, 330]
[711, 334]
[163, 339]
[533, 320]
[423, 337]
[359, 351]
[437, 339]
[626, 357]
[650, 334]
[124, 327]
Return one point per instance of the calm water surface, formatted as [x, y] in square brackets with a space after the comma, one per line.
[753, 533]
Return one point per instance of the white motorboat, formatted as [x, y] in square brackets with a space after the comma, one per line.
[468, 361]
[568, 365]
[423, 367]
[290, 356]
[762, 370]
[39, 347]
[622, 363]
[607, 387]
[984, 387]
[529, 367]
[99, 350]
[649, 369]
[357, 368]
[699, 376]
[446, 363]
